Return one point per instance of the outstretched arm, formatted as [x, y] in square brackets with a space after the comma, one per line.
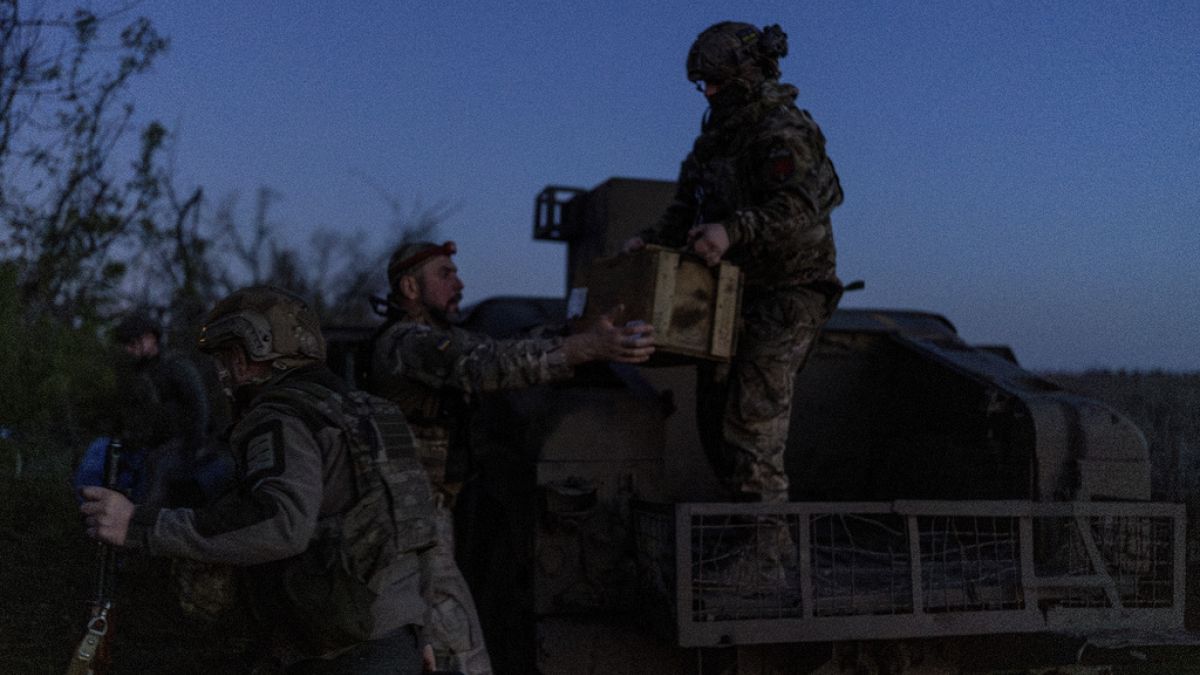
[605, 342]
[452, 358]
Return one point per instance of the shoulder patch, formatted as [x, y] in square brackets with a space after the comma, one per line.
[428, 332]
[781, 164]
[262, 451]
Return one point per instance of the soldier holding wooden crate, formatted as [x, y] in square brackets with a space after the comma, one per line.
[756, 190]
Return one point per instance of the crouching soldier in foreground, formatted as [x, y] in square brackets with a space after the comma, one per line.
[331, 516]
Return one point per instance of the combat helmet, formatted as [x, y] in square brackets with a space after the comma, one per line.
[270, 323]
[737, 53]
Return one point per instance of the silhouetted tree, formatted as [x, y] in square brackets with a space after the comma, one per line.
[78, 182]
[70, 210]
[337, 271]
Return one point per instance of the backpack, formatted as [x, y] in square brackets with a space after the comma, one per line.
[392, 513]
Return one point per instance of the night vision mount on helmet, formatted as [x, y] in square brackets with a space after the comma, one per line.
[737, 52]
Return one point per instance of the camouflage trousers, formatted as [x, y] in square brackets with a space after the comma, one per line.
[745, 407]
[452, 623]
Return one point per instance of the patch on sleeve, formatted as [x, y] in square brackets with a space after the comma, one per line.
[263, 451]
[781, 165]
[422, 339]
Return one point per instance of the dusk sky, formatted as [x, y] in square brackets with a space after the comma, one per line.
[1030, 170]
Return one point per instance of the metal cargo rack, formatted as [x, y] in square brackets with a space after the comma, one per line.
[721, 574]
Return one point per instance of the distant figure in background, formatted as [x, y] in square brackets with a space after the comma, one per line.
[435, 371]
[756, 190]
[164, 414]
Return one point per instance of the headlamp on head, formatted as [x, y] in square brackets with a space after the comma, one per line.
[409, 257]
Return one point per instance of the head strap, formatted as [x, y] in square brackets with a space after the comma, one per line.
[399, 266]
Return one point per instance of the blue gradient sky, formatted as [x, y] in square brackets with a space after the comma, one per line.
[1028, 169]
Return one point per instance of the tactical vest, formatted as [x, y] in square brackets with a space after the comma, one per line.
[721, 188]
[726, 174]
[356, 554]
[438, 418]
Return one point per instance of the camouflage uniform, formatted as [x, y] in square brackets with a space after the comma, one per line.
[335, 566]
[434, 374]
[759, 168]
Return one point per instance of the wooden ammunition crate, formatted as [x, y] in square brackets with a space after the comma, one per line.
[693, 307]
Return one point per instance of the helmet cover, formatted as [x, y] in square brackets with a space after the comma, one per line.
[736, 52]
[270, 324]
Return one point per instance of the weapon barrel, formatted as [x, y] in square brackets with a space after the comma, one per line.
[107, 555]
[92, 651]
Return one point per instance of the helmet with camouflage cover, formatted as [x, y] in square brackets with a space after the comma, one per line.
[738, 53]
[270, 324]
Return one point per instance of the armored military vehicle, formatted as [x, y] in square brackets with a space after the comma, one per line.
[951, 511]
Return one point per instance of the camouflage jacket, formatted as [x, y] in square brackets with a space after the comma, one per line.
[761, 171]
[435, 373]
[290, 518]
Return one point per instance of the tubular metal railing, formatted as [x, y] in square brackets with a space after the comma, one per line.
[757, 573]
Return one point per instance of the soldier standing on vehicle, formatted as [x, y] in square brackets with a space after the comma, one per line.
[756, 190]
[434, 371]
[332, 515]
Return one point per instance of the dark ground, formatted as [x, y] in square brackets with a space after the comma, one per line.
[47, 579]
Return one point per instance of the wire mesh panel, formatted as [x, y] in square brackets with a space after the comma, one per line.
[970, 563]
[744, 566]
[654, 533]
[1105, 561]
[1138, 552]
[745, 573]
[860, 564]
